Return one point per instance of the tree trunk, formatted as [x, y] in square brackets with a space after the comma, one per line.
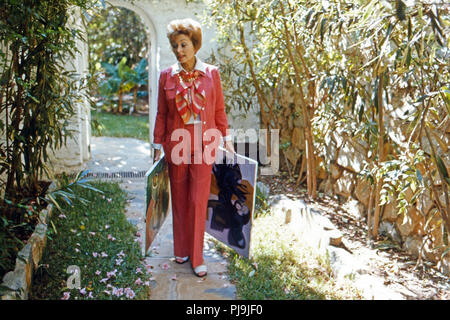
[119, 108]
[381, 155]
[135, 98]
[309, 141]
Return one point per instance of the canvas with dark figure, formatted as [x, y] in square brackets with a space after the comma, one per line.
[230, 204]
[157, 198]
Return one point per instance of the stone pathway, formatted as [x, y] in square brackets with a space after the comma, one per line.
[173, 281]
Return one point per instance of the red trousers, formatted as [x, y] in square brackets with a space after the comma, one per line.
[190, 189]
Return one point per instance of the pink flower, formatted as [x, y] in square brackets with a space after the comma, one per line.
[117, 291]
[106, 227]
[104, 255]
[138, 270]
[95, 254]
[147, 283]
[66, 296]
[90, 295]
[111, 273]
[165, 266]
[92, 233]
[104, 280]
[62, 216]
[129, 293]
[98, 272]
[121, 254]
[83, 291]
[138, 281]
[109, 200]
[110, 237]
[119, 262]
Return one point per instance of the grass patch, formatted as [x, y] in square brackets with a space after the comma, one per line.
[281, 268]
[99, 240]
[107, 124]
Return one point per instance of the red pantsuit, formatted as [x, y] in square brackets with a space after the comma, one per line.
[190, 188]
[189, 182]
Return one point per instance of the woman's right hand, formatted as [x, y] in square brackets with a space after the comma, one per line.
[157, 155]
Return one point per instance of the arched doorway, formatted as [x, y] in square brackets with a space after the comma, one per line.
[153, 67]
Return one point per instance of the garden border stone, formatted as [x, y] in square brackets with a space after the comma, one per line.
[19, 280]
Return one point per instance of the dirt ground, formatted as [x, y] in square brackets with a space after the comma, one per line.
[384, 259]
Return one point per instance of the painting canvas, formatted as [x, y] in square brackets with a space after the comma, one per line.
[157, 199]
[232, 200]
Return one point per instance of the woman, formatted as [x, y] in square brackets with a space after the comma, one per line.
[190, 106]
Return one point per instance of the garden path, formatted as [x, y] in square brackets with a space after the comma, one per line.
[126, 160]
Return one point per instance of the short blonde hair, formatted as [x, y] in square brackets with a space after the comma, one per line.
[188, 27]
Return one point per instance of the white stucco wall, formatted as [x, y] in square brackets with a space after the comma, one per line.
[76, 152]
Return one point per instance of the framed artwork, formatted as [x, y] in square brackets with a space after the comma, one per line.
[231, 201]
[157, 199]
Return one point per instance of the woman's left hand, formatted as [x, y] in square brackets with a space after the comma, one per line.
[229, 146]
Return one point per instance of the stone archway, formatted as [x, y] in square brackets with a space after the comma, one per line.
[153, 70]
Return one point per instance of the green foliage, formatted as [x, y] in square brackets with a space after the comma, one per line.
[282, 268]
[9, 245]
[38, 97]
[98, 239]
[122, 79]
[119, 80]
[372, 74]
[115, 33]
[113, 125]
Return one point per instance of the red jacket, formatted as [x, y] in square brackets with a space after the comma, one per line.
[168, 118]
